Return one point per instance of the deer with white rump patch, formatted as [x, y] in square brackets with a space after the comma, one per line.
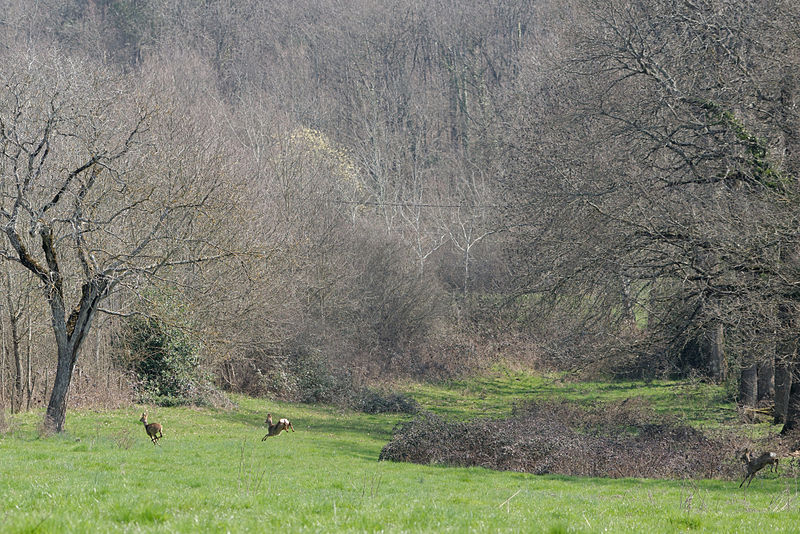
[756, 464]
[277, 428]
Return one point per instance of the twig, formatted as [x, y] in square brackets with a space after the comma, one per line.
[509, 499]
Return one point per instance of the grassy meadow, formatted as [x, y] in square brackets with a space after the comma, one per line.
[212, 473]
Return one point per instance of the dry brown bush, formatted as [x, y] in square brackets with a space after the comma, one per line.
[613, 440]
[109, 390]
[380, 401]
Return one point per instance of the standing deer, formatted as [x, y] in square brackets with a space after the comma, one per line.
[275, 429]
[754, 465]
[153, 429]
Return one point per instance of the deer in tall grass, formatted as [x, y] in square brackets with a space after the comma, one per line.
[277, 428]
[756, 464]
[153, 429]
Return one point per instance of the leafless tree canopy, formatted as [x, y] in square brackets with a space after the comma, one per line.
[336, 192]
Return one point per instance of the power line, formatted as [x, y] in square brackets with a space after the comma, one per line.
[412, 204]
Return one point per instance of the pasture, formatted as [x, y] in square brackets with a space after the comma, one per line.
[212, 473]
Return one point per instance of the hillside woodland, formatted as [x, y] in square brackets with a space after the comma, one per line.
[309, 199]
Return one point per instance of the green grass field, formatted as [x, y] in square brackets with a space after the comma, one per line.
[212, 473]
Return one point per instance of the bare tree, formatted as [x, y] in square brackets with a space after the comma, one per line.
[658, 150]
[94, 196]
[17, 304]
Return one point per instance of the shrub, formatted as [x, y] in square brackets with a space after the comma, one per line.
[255, 374]
[165, 359]
[374, 402]
[609, 441]
[297, 371]
[314, 379]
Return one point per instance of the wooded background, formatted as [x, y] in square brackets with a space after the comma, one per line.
[309, 198]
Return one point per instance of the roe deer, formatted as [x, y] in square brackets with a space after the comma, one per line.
[280, 426]
[754, 465]
[153, 429]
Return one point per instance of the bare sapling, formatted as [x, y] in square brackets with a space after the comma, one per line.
[153, 429]
[756, 464]
[276, 428]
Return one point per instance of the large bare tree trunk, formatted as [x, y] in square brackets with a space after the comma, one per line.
[766, 379]
[57, 407]
[785, 368]
[783, 384]
[70, 335]
[793, 408]
[716, 353]
[748, 385]
[706, 352]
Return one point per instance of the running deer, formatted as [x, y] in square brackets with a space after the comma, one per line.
[153, 429]
[275, 429]
[754, 465]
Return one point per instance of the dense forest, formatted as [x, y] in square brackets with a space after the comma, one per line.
[308, 199]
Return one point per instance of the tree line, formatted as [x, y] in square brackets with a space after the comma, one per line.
[302, 199]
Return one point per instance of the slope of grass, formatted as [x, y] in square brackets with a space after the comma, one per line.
[212, 473]
[494, 395]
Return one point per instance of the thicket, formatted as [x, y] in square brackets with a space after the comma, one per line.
[622, 439]
[403, 189]
[164, 359]
[165, 356]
